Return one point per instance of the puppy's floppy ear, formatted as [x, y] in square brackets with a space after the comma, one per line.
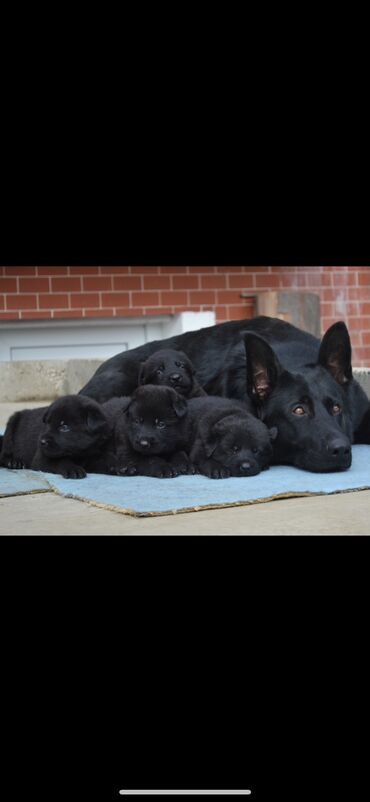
[179, 404]
[212, 438]
[335, 353]
[96, 420]
[263, 367]
[45, 416]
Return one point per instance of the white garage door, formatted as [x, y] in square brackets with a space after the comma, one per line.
[95, 339]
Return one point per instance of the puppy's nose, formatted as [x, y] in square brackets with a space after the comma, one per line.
[44, 441]
[245, 466]
[174, 377]
[143, 443]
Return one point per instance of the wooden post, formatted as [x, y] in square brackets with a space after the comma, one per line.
[302, 309]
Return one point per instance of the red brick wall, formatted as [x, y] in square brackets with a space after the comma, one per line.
[68, 292]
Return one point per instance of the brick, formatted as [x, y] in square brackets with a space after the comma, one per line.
[365, 337]
[2, 302]
[269, 281]
[52, 271]
[9, 315]
[155, 310]
[114, 270]
[293, 280]
[19, 271]
[145, 299]
[364, 278]
[202, 270]
[200, 297]
[65, 314]
[142, 270]
[326, 322]
[21, 301]
[174, 270]
[29, 315]
[359, 323]
[244, 281]
[220, 312]
[76, 270]
[363, 352]
[53, 301]
[183, 282]
[157, 282]
[112, 299]
[229, 297]
[130, 312]
[239, 312]
[364, 308]
[358, 293]
[342, 279]
[217, 282]
[34, 285]
[227, 269]
[66, 284]
[127, 283]
[98, 313]
[8, 285]
[318, 279]
[96, 283]
[173, 298]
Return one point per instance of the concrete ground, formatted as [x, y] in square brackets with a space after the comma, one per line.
[50, 514]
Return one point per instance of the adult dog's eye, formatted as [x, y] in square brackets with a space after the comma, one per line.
[63, 427]
[298, 411]
[336, 409]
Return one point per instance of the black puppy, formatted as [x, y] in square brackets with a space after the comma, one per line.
[152, 435]
[173, 369]
[71, 436]
[226, 440]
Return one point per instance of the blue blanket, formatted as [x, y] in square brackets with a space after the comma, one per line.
[143, 496]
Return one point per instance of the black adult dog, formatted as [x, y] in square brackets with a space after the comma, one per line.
[172, 369]
[71, 436]
[226, 440]
[298, 384]
[151, 436]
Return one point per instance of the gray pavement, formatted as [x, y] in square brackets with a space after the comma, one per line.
[50, 514]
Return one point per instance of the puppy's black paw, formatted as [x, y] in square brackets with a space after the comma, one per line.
[127, 470]
[74, 472]
[213, 470]
[164, 472]
[15, 464]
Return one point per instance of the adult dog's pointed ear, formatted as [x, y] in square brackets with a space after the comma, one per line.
[335, 352]
[263, 367]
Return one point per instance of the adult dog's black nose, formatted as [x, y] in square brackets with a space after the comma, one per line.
[174, 377]
[340, 448]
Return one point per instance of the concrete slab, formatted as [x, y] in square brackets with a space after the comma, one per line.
[50, 514]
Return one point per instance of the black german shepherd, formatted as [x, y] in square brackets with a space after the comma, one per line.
[296, 383]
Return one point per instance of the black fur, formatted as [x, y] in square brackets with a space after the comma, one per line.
[226, 440]
[71, 436]
[219, 358]
[172, 369]
[151, 436]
